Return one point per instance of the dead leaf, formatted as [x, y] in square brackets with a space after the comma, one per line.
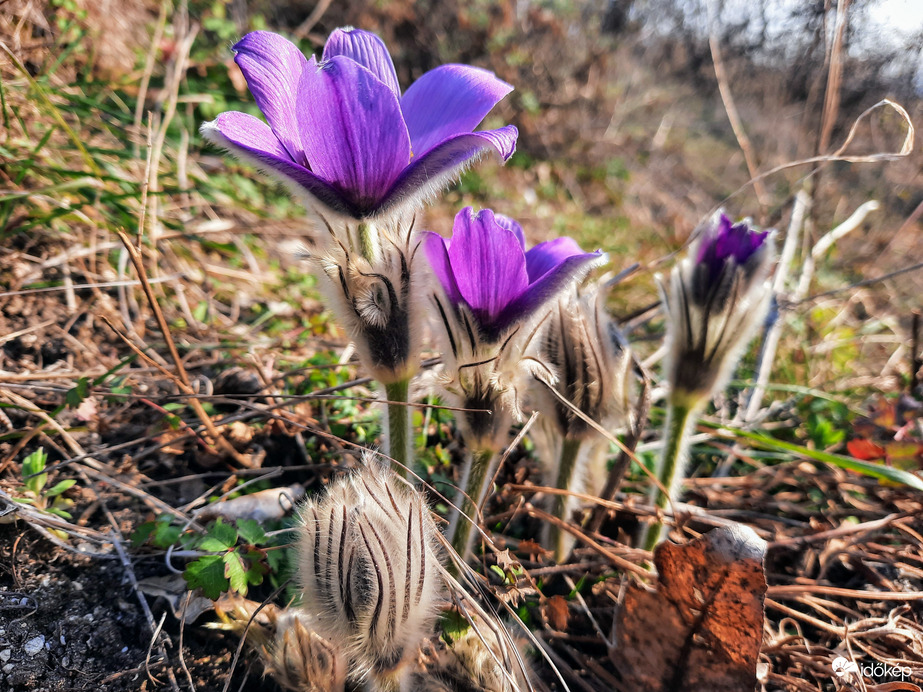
[557, 612]
[273, 503]
[174, 590]
[701, 628]
[166, 442]
[240, 434]
[533, 550]
[865, 450]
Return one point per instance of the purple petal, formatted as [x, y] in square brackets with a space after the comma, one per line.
[513, 225]
[357, 139]
[548, 287]
[440, 166]
[273, 67]
[366, 49]
[546, 256]
[449, 100]
[722, 240]
[488, 263]
[253, 140]
[437, 252]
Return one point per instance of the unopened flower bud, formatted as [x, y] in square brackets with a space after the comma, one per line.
[483, 659]
[369, 571]
[296, 656]
[715, 301]
[590, 358]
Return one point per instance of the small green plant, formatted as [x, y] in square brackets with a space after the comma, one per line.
[33, 489]
[229, 558]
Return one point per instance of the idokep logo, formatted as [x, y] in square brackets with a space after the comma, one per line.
[842, 666]
[876, 671]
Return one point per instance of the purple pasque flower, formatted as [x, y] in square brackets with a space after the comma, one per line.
[715, 300]
[341, 131]
[486, 269]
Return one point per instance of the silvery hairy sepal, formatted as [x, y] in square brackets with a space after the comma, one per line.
[480, 660]
[370, 280]
[715, 300]
[369, 571]
[586, 377]
[301, 660]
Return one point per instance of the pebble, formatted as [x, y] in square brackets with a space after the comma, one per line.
[8, 667]
[34, 645]
[5, 655]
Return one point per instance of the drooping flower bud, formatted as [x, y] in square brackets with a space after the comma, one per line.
[715, 300]
[492, 292]
[484, 657]
[369, 571]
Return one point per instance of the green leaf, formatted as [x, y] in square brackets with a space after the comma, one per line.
[453, 625]
[236, 573]
[256, 566]
[165, 533]
[224, 534]
[64, 514]
[32, 465]
[885, 473]
[78, 393]
[141, 534]
[60, 487]
[251, 531]
[207, 573]
[276, 559]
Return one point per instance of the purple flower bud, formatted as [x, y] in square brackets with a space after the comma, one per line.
[715, 300]
[725, 251]
[340, 130]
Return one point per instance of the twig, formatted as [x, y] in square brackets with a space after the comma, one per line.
[305, 27]
[774, 329]
[730, 108]
[183, 378]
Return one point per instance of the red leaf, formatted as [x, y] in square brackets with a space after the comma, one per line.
[865, 450]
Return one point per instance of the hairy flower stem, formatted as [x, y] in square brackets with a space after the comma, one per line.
[570, 451]
[680, 423]
[368, 244]
[479, 466]
[400, 434]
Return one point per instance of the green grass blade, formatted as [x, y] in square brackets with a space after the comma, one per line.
[885, 473]
[53, 111]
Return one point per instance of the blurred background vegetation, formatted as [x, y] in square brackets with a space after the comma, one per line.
[625, 143]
